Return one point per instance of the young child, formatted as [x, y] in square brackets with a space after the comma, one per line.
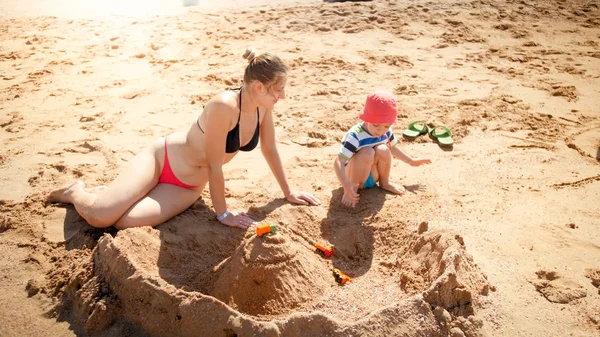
[365, 156]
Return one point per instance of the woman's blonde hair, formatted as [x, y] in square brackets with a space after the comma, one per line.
[266, 68]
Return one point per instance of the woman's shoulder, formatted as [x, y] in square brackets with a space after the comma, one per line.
[224, 102]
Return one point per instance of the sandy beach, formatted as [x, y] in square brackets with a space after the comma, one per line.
[499, 236]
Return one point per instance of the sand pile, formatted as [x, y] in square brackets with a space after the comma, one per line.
[271, 275]
[162, 282]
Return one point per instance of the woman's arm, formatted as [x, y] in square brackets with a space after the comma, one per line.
[218, 119]
[269, 150]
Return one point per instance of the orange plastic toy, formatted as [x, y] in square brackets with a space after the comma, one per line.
[264, 229]
[340, 277]
[327, 250]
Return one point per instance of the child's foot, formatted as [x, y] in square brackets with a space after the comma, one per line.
[396, 189]
[64, 194]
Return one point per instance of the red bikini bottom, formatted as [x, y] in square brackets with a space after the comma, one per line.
[167, 176]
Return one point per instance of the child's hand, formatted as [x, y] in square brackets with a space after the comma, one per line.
[351, 196]
[419, 162]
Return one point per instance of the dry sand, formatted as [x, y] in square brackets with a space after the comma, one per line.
[499, 236]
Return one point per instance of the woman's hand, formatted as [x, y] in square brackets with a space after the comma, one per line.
[302, 198]
[238, 219]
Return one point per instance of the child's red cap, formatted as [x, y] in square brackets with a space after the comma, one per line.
[380, 108]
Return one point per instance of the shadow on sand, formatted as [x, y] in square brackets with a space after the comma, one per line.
[348, 230]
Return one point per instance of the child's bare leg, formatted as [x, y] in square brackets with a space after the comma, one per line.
[359, 166]
[382, 168]
[357, 171]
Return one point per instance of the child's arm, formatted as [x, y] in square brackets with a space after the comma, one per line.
[339, 165]
[399, 154]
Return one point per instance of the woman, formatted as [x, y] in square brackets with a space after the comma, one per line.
[168, 177]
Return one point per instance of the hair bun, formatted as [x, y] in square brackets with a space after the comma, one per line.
[249, 54]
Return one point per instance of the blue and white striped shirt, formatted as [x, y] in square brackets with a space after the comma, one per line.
[357, 138]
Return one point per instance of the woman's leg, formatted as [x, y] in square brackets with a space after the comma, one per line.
[95, 189]
[102, 208]
[380, 171]
[161, 204]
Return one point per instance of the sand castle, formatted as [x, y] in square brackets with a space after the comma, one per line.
[274, 285]
[271, 275]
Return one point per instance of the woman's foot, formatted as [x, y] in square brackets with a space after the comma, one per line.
[65, 194]
[396, 189]
[96, 189]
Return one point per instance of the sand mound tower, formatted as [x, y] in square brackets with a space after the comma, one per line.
[272, 274]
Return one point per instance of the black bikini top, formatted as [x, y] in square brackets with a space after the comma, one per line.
[233, 136]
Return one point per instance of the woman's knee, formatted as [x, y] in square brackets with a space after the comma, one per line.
[96, 220]
[129, 220]
[139, 216]
[95, 216]
[125, 222]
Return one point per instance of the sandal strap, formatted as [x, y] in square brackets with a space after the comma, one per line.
[445, 132]
[413, 126]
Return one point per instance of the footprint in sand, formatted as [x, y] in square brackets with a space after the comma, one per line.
[309, 141]
[401, 62]
[52, 173]
[594, 275]
[84, 100]
[11, 124]
[95, 121]
[86, 147]
[113, 84]
[568, 92]
[198, 98]
[136, 93]
[90, 117]
[457, 35]
[408, 90]
[586, 142]
[557, 289]
[145, 132]
[519, 34]
[569, 69]
[39, 74]
[215, 78]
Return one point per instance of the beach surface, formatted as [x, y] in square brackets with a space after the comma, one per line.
[499, 236]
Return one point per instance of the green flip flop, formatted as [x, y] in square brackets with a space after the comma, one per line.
[415, 129]
[441, 135]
